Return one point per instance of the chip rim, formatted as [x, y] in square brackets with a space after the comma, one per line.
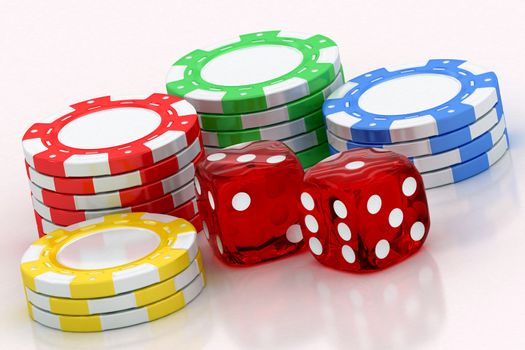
[165, 203]
[463, 153]
[187, 209]
[457, 155]
[116, 199]
[297, 143]
[120, 302]
[111, 183]
[130, 317]
[279, 131]
[311, 156]
[468, 169]
[288, 112]
[432, 145]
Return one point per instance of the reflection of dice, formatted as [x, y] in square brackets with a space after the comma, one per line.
[282, 321]
[364, 209]
[401, 308]
[247, 197]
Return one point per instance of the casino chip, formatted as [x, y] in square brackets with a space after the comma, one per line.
[254, 72]
[445, 115]
[134, 299]
[99, 184]
[281, 114]
[107, 136]
[109, 255]
[274, 132]
[113, 320]
[118, 199]
[113, 155]
[295, 143]
[112, 272]
[457, 155]
[431, 145]
[162, 204]
[468, 169]
[261, 86]
[399, 104]
[188, 210]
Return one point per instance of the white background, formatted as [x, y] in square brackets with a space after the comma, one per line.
[465, 289]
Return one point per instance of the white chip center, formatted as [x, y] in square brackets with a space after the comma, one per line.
[409, 94]
[251, 65]
[109, 128]
[108, 248]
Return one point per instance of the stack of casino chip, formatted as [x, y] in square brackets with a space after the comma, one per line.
[112, 272]
[113, 155]
[261, 86]
[445, 115]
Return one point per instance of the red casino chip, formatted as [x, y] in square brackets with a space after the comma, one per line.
[108, 136]
[161, 205]
[188, 211]
[117, 199]
[101, 184]
[197, 222]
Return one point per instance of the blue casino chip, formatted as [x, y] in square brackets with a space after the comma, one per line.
[462, 154]
[466, 162]
[431, 145]
[390, 105]
[468, 169]
[457, 155]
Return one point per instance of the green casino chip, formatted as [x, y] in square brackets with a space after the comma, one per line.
[284, 113]
[255, 72]
[275, 132]
[314, 155]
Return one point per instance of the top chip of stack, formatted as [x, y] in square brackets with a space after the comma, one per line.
[261, 86]
[108, 136]
[255, 72]
[446, 115]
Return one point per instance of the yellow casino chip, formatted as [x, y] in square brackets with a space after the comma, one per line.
[130, 300]
[102, 322]
[109, 255]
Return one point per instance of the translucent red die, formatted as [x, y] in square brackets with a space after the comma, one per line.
[248, 201]
[364, 209]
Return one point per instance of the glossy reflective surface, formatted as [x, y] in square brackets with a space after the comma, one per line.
[247, 197]
[55, 54]
[364, 210]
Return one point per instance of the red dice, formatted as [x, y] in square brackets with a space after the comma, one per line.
[248, 199]
[364, 209]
